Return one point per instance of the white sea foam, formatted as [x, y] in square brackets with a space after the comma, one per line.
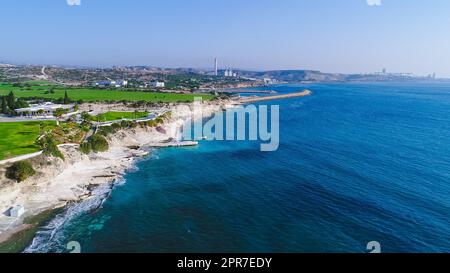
[51, 237]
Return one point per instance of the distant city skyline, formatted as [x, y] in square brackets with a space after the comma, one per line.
[358, 36]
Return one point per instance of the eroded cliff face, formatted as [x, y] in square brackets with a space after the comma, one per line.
[57, 181]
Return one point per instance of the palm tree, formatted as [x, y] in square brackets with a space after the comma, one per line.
[4, 108]
[86, 118]
[66, 98]
[40, 112]
[42, 127]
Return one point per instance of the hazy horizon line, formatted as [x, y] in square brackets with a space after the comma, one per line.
[206, 68]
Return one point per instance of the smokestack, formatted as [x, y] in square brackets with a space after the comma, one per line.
[216, 72]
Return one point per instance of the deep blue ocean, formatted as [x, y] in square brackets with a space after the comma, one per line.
[356, 163]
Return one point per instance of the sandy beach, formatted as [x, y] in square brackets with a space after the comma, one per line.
[59, 182]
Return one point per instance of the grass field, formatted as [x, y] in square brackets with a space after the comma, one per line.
[17, 138]
[89, 95]
[110, 116]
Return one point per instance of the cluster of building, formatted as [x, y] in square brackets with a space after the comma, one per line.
[226, 73]
[230, 73]
[117, 84]
[384, 72]
[269, 81]
[124, 83]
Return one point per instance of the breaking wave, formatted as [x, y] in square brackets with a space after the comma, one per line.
[51, 237]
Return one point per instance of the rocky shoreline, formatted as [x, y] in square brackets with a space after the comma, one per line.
[59, 182]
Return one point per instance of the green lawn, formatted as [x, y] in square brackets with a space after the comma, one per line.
[90, 95]
[17, 138]
[41, 82]
[110, 116]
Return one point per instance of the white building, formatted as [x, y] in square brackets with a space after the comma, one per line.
[157, 84]
[43, 110]
[120, 83]
[16, 211]
[230, 73]
[269, 81]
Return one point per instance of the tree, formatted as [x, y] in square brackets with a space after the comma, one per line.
[86, 119]
[40, 112]
[20, 171]
[85, 147]
[11, 100]
[66, 98]
[42, 127]
[98, 143]
[4, 106]
[21, 104]
[58, 114]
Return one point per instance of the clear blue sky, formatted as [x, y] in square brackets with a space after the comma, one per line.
[328, 35]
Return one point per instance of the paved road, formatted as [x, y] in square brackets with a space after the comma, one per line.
[43, 72]
[20, 158]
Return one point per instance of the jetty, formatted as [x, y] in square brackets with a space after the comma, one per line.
[247, 91]
[275, 97]
[174, 144]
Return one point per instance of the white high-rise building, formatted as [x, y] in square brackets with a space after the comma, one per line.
[216, 71]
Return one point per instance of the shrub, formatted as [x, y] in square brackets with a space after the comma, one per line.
[85, 128]
[107, 130]
[168, 115]
[20, 171]
[21, 104]
[152, 123]
[49, 147]
[98, 143]
[116, 126]
[126, 124]
[85, 147]
[57, 153]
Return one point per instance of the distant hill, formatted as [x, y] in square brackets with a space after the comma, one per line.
[5, 65]
[191, 77]
[317, 76]
[293, 75]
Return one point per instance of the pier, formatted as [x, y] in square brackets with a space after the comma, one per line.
[174, 144]
[276, 97]
[247, 91]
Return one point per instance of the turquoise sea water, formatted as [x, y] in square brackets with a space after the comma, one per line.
[356, 163]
